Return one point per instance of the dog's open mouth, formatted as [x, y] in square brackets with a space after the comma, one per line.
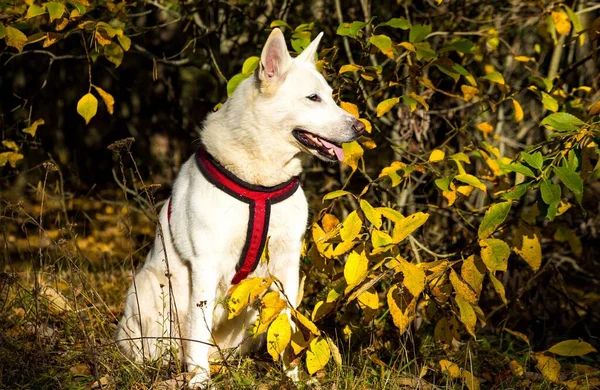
[325, 148]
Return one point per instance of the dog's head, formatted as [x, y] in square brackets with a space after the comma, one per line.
[299, 103]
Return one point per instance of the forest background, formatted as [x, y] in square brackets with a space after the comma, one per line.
[457, 245]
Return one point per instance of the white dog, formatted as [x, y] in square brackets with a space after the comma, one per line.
[239, 189]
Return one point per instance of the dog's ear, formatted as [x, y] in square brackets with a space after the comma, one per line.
[308, 54]
[275, 59]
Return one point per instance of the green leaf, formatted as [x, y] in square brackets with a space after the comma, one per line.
[55, 10]
[550, 192]
[2, 30]
[300, 44]
[233, 82]
[461, 45]
[87, 107]
[562, 121]
[517, 191]
[34, 10]
[424, 51]
[536, 160]
[350, 29]
[443, 183]
[418, 32]
[493, 217]
[576, 23]
[571, 180]
[250, 64]
[400, 23]
[471, 180]
[125, 42]
[279, 23]
[516, 167]
[549, 102]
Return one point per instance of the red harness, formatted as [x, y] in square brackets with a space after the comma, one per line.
[259, 200]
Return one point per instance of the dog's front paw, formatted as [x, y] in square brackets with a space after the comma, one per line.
[200, 380]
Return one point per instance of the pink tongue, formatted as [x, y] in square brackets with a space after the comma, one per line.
[339, 152]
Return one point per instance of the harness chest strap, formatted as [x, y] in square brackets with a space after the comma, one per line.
[259, 200]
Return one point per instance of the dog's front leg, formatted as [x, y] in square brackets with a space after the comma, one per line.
[200, 321]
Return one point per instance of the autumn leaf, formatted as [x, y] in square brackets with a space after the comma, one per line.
[437, 155]
[467, 315]
[462, 289]
[107, 98]
[55, 10]
[518, 110]
[87, 107]
[270, 307]
[526, 243]
[548, 366]
[351, 227]
[385, 106]
[369, 299]
[353, 152]
[485, 128]
[350, 108]
[494, 253]
[318, 355]
[468, 92]
[561, 22]
[373, 215]
[278, 336]
[494, 216]
[15, 38]
[409, 224]
[572, 348]
[355, 269]
[402, 308]
[244, 293]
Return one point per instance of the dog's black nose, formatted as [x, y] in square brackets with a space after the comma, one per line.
[358, 127]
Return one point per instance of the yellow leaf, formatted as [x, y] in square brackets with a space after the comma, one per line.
[319, 238]
[565, 234]
[107, 98]
[335, 352]
[450, 368]
[390, 214]
[351, 227]
[102, 37]
[385, 106]
[318, 355]
[369, 299]
[402, 307]
[495, 77]
[414, 277]
[10, 145]
[485, 128]
[350, 108]
[392, 172]
[437, 155]
[518, 110]
[298, 342]
[52, 38]
[244, 293]
[471, 382]
[450, 197]
[468, 92]
[11, 158]
[518, 335]
[467, 315]
[548, 366]
[494, 253]
[408, 225]
[87, 107]
[321, 309]
[473, 272]
[420, 99]
[329, 222]
[305, 325]
[380, 239]
[499, 287]
[368, 126]
[516, 369]
[353, 152]
[463, 290]
[572, 348]
[373, 215]
[342, 248]
[355, 269]
[349, 68]
[470, 180]
[526, 243]
[125, 42]
[15, 38]
[270, 307]
[524, 59]
[561, 22]
[594, 108]
[278, 336]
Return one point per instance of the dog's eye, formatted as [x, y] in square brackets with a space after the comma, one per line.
[314, 97]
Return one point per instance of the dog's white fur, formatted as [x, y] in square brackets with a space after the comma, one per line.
[251, 136]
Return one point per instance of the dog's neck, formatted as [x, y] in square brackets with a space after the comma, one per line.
[230, 137]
